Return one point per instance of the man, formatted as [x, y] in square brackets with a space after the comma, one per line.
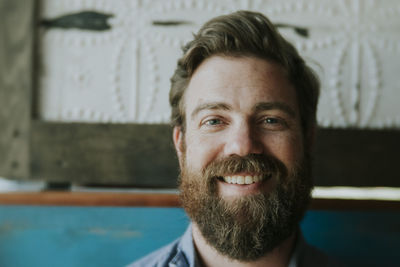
[244, 113]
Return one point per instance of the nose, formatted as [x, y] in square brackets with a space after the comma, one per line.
[242, 141]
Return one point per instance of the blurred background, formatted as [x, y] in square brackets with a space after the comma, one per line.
[86, 155]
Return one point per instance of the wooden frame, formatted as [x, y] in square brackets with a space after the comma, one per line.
[132, 154]
[118, 199]
[16, 83]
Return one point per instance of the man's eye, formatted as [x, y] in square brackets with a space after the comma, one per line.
[272, 121]
[212, 122]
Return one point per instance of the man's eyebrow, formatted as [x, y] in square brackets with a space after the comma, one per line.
[275, 105]
[210, 105]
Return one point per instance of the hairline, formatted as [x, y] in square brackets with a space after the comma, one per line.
[229, 54]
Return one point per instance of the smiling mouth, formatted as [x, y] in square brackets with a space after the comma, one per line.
[244, 179]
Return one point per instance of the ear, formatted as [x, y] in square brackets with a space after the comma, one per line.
[178, 136]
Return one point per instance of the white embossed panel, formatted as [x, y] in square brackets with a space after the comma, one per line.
[122, 75]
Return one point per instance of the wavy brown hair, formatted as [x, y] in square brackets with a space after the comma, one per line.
[239, 34]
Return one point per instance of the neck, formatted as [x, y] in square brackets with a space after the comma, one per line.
[209, 257]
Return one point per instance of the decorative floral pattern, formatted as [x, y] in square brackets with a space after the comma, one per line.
[122, 75]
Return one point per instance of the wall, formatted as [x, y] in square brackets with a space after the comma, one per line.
[121, 74]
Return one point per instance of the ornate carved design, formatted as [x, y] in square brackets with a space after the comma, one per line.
[122, 75]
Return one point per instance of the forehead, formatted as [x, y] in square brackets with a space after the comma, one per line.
[240, 82]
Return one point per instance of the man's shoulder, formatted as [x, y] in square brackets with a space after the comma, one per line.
[160, 257]
[178, 253]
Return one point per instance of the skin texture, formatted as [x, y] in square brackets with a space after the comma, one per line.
[239, 106]
[239, 84]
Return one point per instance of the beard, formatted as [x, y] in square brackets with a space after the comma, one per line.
[246, 228]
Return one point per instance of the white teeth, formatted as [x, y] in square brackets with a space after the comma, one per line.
[248, 180]
[238, 179]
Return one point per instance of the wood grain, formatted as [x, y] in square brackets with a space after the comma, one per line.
[16, 45]
[163, 200]
[357, 157]
[143, 155]
[89, 199]
[124, 154]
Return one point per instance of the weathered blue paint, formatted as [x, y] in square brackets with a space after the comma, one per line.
[75, 236]
[108, 236]
[359, 238]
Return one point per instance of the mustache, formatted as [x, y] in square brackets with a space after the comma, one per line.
[260, 164]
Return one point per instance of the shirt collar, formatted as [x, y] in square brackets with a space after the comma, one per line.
[299, 243]
[187, 255]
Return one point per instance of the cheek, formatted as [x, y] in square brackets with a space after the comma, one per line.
[294, 152]
[288, 149]
[201, 151]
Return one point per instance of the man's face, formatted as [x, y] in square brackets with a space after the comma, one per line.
[242, 156]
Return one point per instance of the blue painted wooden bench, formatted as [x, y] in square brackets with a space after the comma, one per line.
[115, 236]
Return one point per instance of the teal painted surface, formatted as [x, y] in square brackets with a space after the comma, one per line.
[358, 238]
[107, 236]
[72, 236]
